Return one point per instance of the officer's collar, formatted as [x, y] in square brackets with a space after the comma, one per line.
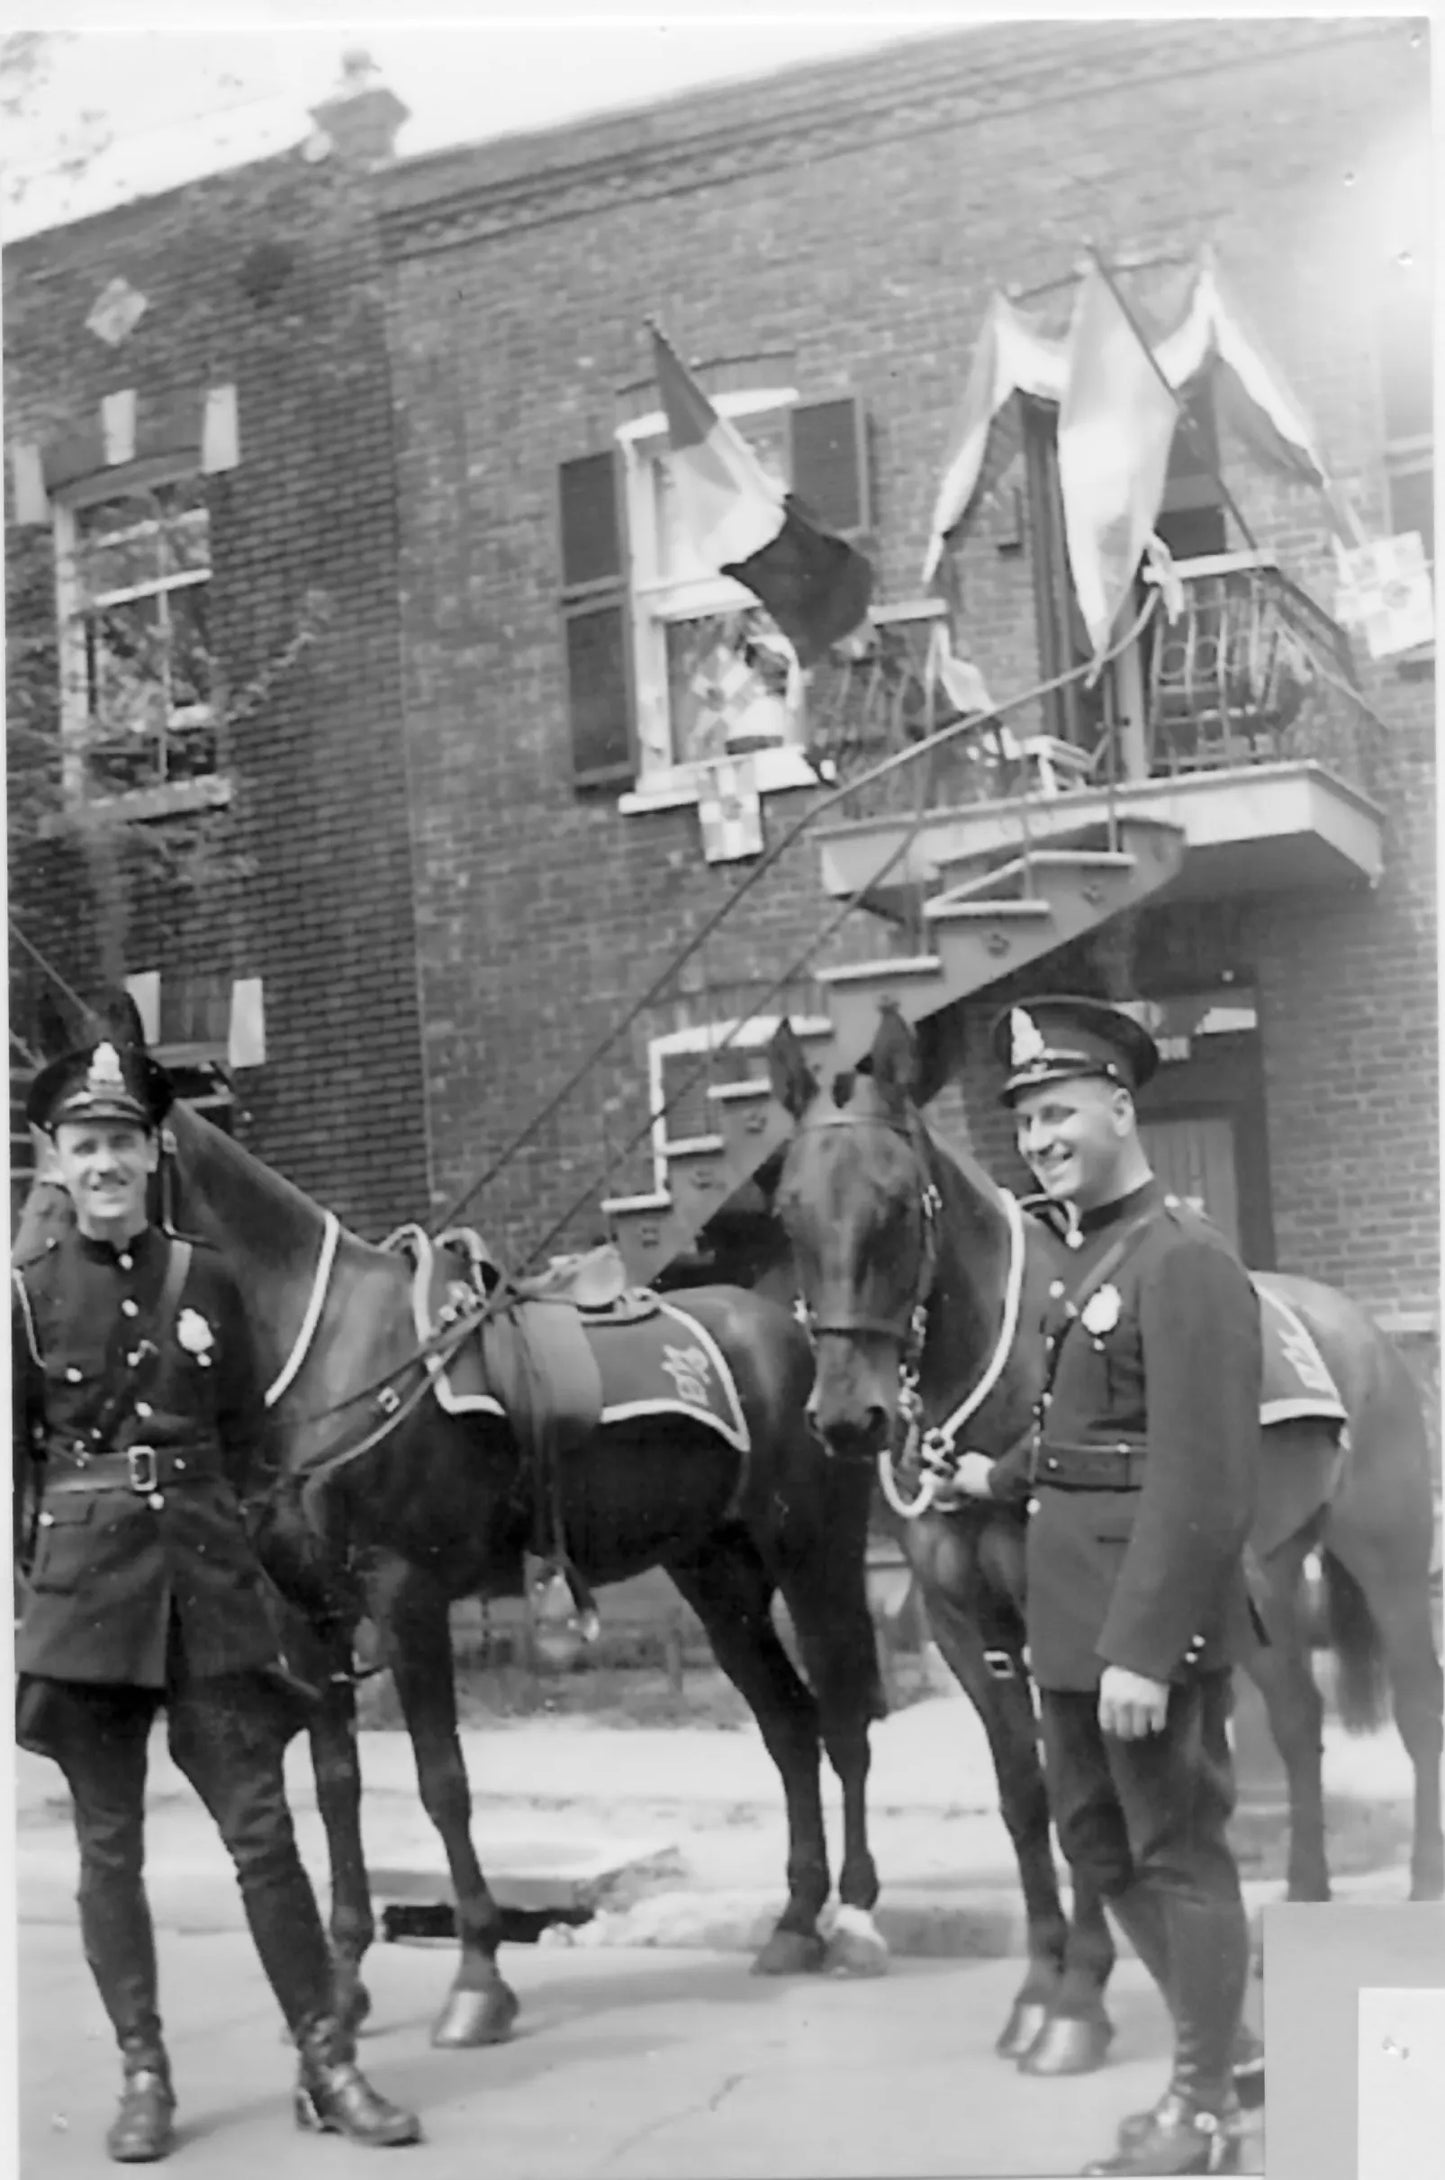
[1123, 1207]
[108, 1252]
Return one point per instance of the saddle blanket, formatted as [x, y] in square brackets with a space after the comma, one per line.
[1297, 1379]
[656, 1360]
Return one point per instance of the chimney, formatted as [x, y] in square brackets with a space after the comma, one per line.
[362, 117]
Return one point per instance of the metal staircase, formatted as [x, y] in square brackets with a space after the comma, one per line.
[980, 925]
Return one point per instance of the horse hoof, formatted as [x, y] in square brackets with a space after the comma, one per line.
[856, 1946]
[1022, 2027]
[790, 1953]
[1069, 2044]
[470, 2018]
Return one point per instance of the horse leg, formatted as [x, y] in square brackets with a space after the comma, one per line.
[335, 1762]
[416, 1632]
[731, 1592]
[1283, 1673]
[1069, 1966]
[825, 1589]
[1400, 1610]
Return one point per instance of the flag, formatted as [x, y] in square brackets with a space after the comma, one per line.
[1012, 357]
[1116, 425]
[815, 586]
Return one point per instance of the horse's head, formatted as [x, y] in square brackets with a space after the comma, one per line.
[862, 1216]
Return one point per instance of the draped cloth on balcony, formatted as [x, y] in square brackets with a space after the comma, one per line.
[1014, 357]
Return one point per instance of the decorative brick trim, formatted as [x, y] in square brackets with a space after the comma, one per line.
[910, 92]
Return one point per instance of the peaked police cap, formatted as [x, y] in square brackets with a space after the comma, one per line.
[1057, 1039]
[100, 1082]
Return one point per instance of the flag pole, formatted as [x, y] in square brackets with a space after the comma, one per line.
[1196, 437]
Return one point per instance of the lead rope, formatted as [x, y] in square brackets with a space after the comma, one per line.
[935, 1447]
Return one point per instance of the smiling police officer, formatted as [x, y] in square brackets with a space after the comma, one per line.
[1144, 1476]
[139, 1404]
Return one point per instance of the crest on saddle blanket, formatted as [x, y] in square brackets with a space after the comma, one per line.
[652, 1360]
[1297, 1379]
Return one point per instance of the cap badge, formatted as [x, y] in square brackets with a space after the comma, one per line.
[1025, 1042]
[105, 1071]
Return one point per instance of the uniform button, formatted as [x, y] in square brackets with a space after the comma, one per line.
[1044, 1399]
[180, 1464]
[133, 1358]
[80, 1446]
[129, 1308]
[1033, 1506]
[1056, 1289]
[46, 1520]
[156, 1501]
[144, 1408]
[127, 1262]
[72, 1375]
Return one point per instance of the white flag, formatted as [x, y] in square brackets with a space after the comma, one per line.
[1116, 424]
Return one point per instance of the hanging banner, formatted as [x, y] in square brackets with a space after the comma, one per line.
[730, 811]
[1385, 591]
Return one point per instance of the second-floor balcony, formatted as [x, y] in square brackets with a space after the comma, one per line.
[1235, 715]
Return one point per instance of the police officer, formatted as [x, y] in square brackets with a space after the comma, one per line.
[139, 1403]
[1143, 1478]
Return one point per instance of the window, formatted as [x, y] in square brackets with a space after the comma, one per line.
[671, 665]
[133, 574]
[1406, 394]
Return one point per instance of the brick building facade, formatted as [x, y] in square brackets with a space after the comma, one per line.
[507, 659]
[198, 410]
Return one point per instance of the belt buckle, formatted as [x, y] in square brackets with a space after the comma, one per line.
[141, 1460]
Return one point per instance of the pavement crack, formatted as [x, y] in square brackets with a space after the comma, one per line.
[725, 2089]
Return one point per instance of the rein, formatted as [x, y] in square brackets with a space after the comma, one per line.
[935, 1446]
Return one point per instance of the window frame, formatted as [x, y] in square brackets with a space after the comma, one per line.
[78, 791]
[740, 1034]
[652, 604]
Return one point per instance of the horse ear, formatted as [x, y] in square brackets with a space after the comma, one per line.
[794, 1084]
[120, 1018]
[893, 1058]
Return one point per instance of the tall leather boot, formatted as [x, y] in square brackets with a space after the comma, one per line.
[334, 2097]
[120, 1948]
[1140, 1915]
[1195, 2126]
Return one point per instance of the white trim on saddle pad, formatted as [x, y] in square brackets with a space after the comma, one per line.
[1320, 1396]
[735, 1432]
[418, 1240]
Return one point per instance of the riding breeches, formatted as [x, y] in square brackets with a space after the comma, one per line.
[227, 1737]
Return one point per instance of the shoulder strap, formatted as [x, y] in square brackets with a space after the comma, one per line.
[1096, 1277]
[22, 1296]
[177, 1273]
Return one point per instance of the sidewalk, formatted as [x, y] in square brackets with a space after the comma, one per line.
[675, 1837]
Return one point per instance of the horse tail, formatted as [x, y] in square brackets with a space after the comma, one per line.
[1362, 1693]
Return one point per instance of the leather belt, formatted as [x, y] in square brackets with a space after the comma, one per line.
[1063, 1467]
[141, 1469]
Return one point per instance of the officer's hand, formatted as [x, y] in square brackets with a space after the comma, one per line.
[1130, 1705]
[971, 1474]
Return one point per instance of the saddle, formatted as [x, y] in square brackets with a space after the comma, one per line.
[594, 1283]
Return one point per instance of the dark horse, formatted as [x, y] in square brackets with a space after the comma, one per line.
[886, 1223]
[436, 1509]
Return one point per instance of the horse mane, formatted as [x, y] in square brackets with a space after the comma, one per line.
[234, 1161]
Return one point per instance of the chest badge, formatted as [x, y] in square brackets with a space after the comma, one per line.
[195, 1335]
[1101, 1312]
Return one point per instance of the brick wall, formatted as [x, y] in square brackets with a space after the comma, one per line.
[315, 896]
[859, 216]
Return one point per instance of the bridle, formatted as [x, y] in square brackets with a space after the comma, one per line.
[908, 1332]
[934, 1449]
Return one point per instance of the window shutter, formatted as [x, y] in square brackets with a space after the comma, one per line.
[828, 457]
[594, 622]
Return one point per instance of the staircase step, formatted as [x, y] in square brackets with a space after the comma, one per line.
[1013, 875]
[649, 1232]
[949, 909]
[914, 984]
[753, 1124]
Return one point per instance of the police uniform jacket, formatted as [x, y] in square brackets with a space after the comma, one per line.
[130, 1547]
[1145, 1462]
